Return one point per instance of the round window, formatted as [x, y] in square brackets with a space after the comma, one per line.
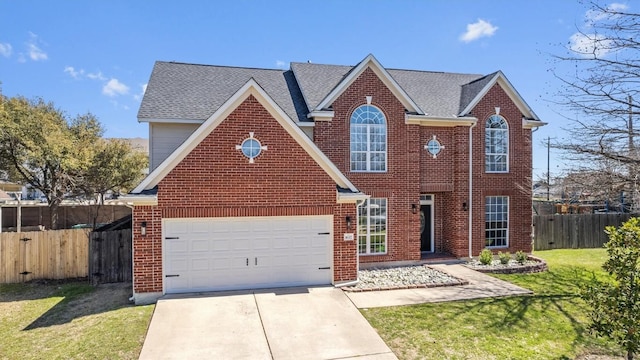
[434, 147]
[251, 148]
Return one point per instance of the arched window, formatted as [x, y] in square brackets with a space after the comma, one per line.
[496, 145]
[368, 139]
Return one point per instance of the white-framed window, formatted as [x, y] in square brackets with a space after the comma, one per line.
[372, 227]
[496, 221]
[496, 145]
[368, 139]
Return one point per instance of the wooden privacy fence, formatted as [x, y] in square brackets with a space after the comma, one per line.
[58, 254]
[575, 231]
[65, 254]
[110, 256]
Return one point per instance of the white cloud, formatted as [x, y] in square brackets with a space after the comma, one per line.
[96, 76]
[478, 30]
[114, 88]
[592, 16]
[280, 64]
[590, 44]
[73, 72]
[35, 53]
[5, 49]
[141, 94]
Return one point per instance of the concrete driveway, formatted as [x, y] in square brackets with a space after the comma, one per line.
[291, 323]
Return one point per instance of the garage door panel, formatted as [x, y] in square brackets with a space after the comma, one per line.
[200, 264]
[177, 246]
[221, 245]
[240, 253]
[241, 244]
[200, 245]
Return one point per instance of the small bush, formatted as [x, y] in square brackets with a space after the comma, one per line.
[521, 257]
[486, 257]
[504, 257]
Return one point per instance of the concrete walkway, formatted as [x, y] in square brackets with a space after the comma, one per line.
[280, 324]
[480, 286]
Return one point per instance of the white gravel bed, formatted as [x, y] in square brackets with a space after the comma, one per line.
[403, 277]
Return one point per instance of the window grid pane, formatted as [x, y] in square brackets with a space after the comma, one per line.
[372, 226]
[496, 221]
[496, 144]
[368, 139]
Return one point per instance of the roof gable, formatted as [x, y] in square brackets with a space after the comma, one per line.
[251, 88]
[369, 62]
[474, 92]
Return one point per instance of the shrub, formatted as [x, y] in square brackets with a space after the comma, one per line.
[486, 257]
[504, 257]
[521, 257]
[614, 302]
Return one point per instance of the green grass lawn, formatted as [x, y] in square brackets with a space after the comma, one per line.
[550, 324]
[70, 321]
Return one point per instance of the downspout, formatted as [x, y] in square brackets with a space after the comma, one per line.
[471, 188]
[133, 296]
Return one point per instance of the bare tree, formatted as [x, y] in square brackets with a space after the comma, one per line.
[600, 74]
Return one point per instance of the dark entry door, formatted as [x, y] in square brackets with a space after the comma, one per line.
[425, 228]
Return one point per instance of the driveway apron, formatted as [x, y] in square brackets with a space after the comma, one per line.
[278, 324]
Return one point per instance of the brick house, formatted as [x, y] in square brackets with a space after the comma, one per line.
[266, 178]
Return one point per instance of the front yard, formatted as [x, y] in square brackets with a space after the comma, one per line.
[551, 324]
[77, 321]
[70, 321]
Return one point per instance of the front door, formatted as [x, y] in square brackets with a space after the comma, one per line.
[425, 228]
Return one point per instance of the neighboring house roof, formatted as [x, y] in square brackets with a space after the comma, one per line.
[5, 196]
[12, 187]
[251, 87]
[138, 143]
[179, 92]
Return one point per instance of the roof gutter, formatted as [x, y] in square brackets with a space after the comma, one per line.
[139, 200]
[471, 189]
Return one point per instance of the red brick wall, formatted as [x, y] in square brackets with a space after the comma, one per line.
[516, 183]
[401, 183]
[216, 180]
[412, 171]
[147, 250]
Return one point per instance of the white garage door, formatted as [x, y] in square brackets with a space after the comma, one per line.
[208, 254]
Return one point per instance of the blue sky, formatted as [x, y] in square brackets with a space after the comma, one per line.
[96, 56]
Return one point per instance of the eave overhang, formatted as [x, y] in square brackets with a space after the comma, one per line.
[321, 115]
[426, 120]
[531, 123]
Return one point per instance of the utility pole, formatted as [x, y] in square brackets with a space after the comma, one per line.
[548, 168]
[632, 155]
[632, 146]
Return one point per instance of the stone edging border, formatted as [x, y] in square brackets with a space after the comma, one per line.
[541, 266]
[457, 282]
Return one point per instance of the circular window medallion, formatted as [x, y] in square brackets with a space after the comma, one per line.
[251, 148]
[434, 147]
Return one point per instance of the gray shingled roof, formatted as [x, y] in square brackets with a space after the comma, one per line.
[471, 90]
[189, 91]
[316, 80]
[437, 93]
[194, 92]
